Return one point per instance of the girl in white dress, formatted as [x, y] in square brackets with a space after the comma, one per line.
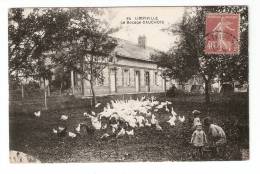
[199, 140]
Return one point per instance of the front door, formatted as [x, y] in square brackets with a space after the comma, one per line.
[137, 81]
[113, 80]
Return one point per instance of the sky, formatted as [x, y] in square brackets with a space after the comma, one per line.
[155, 37]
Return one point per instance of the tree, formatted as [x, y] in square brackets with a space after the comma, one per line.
[89, 47]
[33, 35]
[75, 38]
[187, 57]
[32, 38]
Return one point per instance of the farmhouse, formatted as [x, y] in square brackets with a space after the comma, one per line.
[130, 71]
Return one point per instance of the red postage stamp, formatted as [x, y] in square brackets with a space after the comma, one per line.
[222, 33]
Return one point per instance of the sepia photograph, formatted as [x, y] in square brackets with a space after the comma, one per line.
[128, 84]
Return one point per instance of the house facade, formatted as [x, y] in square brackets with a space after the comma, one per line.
[131, 71]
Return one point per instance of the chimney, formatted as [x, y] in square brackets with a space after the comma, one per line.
[142, 41]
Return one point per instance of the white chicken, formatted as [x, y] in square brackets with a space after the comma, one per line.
[61, 131]
[130, 132]
[54, 131]
[168, 102]
[121, 133]
[105, 135]
[142, 110]
[153, 98]
[159, 106]
[72, 135]
[172, 118]
[164, 104]
[196, 112]
[114, 127]
[129, 119]
[140, 121]
[60, 128]
[64, 117]
[132, 122]
[158, 127]
[108, 112]
[37, 113]
[167, 109]
[78, 128]
[95, 122]
[154, 120]
[108, 106]
[146, 123]
[181, 119]
[142, 98]
[173, 112]
[97, 105]
[154, 103]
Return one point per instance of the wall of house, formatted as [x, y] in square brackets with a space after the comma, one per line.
[125, 86]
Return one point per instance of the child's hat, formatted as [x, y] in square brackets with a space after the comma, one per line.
[196, 112]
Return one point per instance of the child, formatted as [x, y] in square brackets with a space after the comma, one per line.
[215, 132]
[196, 119]
[199, 139]
[216, 136]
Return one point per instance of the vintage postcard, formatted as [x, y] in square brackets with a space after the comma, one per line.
[128, 84]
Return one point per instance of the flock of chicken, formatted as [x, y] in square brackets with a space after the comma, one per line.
[120, 118]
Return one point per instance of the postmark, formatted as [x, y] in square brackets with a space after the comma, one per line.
[222, 33]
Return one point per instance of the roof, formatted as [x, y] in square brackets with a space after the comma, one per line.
[131, 50]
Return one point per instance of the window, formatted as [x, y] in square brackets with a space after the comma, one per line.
[147, 78]
[126, 77]
[100, 80]
[156, 78]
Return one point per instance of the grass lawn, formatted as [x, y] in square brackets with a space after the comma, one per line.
[34, 135]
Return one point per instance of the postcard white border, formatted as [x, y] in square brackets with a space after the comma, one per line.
[250, 166]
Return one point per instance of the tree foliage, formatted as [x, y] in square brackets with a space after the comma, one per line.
[88, 43]
[89, 47]
[33, 35]
[74, 38]
[188, 58]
